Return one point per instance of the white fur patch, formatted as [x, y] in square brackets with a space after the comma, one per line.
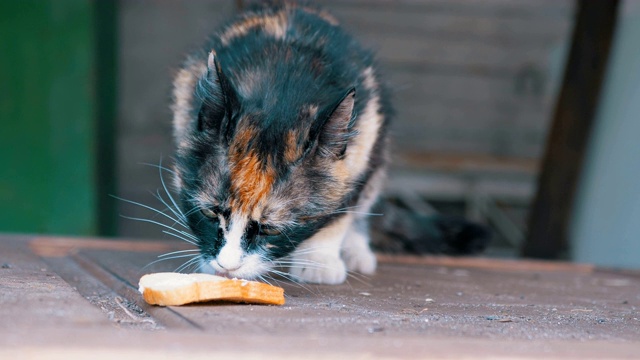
[231, 254]
[252, 267]
[369, 81]
[368, 126]
[232, 259]
[357, 254]
[318, 258]
[183, 90]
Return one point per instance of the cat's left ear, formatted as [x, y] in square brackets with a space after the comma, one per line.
[219, 97]
[337, 130]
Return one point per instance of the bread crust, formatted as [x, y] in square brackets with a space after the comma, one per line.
[168, 289]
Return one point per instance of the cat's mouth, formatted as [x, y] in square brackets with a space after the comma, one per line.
[237, 273]
[225, 274]
[249, 269]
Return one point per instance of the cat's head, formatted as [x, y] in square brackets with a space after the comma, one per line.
[258, 169]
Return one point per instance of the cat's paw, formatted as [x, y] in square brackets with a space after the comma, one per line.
[357, 254]
[360, 259]
[319, 268]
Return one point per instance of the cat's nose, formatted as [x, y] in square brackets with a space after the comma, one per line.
[230, 257]
[228, 267]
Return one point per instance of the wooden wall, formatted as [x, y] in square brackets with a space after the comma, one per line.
[474, 81]
[470, 77]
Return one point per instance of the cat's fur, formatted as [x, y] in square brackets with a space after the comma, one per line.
[280, 125]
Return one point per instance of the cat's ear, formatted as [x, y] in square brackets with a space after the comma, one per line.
[337, 130]
[219, 99]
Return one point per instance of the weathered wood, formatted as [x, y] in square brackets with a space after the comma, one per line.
[408, 303]
[487, 264]
[421, 25]
[410, 306]
[574, 115]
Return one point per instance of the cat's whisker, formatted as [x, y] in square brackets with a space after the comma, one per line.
[361, 278]
[160, 224]
[193, 210]
[177, 252]
[149, 208]
[264, 279]
[355, 212]
[180, 237]
[283, 274]
[292, 279]
[169, 258]
[309, 262]
[186, 236]
[164, 186]
[309, 250]
[191, 262]
[164, 168]
[181, 219]
[193, 267]
[287, 276]
[288, 238]
[303, 265]
[300, 265]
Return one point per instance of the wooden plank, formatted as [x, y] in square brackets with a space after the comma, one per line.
[491, 8]
[488, 58]
[446, 187]
[573, 118]
[67, 344]
[410, 306]
[454, 27]
[34, 296]
[439, 128]
[60, 247]
[487, 264]
[468, 163]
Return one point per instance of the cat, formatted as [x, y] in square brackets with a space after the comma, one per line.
[280, 123]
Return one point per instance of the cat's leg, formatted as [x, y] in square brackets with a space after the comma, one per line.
[317, 259]
[356, 251]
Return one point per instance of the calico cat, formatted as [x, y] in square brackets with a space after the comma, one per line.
[280, 124]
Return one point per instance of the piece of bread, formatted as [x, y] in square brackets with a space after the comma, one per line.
[178, 289]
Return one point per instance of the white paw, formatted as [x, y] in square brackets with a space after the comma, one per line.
[360, 259]
[357, 254]
[319, 268]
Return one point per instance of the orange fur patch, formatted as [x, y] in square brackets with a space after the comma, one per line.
[292, 151]
[251, 178]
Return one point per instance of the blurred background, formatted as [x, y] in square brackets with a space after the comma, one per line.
[522, 115]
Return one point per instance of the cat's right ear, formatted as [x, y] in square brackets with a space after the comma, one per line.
[219, 100]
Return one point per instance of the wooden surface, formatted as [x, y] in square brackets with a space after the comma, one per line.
[74, 298]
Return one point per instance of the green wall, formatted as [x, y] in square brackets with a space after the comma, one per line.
[48, 105]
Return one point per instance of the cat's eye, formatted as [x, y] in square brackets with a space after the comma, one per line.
[266, 230]
[209, 213]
